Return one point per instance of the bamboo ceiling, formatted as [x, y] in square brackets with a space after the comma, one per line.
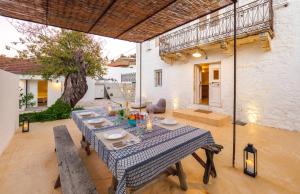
[131, 20]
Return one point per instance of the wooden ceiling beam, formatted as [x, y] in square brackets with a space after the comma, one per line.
[145, 19]
[84, 17]
[102, 14]
[47, 9]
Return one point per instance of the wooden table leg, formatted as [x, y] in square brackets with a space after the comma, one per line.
[213, 168]
[85, 145]
[112, 189]
[82, 141]
[213, 172]
[57, 182]
[87, 149]
[209, 161]
[181, 176]
[199, 159]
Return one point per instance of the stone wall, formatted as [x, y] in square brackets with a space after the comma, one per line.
[128, 91]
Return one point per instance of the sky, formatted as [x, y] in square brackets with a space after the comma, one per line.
[112, 48]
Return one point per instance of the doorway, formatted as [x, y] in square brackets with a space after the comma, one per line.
[207, 90]
[42, 92]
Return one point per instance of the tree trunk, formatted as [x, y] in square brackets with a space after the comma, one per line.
[75, 85]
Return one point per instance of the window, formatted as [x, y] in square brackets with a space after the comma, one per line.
[158, 77]
[216, 74]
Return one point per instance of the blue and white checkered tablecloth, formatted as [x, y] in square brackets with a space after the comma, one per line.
[140, 163]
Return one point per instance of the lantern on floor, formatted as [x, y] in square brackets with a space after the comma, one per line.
[25, 125]
[250, 160]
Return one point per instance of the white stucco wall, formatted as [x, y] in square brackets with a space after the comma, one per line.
[32, 85]
[22, 85]
[9, 103]
[267, 82]
[90, 93]
[115, 72]
[33, 88]
[55, 89]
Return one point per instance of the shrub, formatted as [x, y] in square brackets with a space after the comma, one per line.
[59, 110]
[25, 99]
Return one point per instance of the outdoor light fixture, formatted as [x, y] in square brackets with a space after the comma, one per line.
[25, 125]
[197, 54]
[250, 160]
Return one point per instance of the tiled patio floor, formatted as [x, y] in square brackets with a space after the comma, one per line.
[28, 165]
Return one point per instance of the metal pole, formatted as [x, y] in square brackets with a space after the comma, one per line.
[234, 83]
[140, 77]
[26, 93]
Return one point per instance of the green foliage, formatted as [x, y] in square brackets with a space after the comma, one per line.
[78, 108]
[55, 49]
[57, 54]
[23, 99]
[59, 110]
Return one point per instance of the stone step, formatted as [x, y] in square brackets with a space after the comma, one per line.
[210, 118]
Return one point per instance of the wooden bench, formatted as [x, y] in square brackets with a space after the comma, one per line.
[73, 176]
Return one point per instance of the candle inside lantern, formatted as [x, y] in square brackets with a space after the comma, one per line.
[149, 124]
[25, 127]
[110, 111]
[250, 165]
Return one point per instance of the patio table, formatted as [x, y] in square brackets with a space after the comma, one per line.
[138, 164]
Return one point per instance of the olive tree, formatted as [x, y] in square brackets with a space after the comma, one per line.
[71, 54]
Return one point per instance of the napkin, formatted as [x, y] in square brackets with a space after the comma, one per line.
[128, 140]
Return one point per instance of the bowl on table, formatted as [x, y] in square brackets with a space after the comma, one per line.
[132, 122]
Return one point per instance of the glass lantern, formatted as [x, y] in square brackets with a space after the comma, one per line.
[25, 125]
[250, 160]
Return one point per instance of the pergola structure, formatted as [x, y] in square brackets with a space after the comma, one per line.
[130, 20]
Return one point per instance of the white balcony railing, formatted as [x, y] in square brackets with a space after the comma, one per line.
[252, 18]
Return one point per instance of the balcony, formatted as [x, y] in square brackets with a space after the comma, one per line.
[252, 19]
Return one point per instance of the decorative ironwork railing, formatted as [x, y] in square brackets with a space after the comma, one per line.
[252, 18]
[128, 77]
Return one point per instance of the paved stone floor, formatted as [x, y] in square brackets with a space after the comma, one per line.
[28, 165]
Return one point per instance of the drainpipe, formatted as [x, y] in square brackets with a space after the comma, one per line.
[140, 77]
[234, 84]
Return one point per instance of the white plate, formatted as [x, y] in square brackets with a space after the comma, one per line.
[96, 121]
[169, 122]
[86, 113]
[113, 135]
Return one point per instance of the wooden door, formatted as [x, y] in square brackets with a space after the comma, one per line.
[215, 85]
[197, 84]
